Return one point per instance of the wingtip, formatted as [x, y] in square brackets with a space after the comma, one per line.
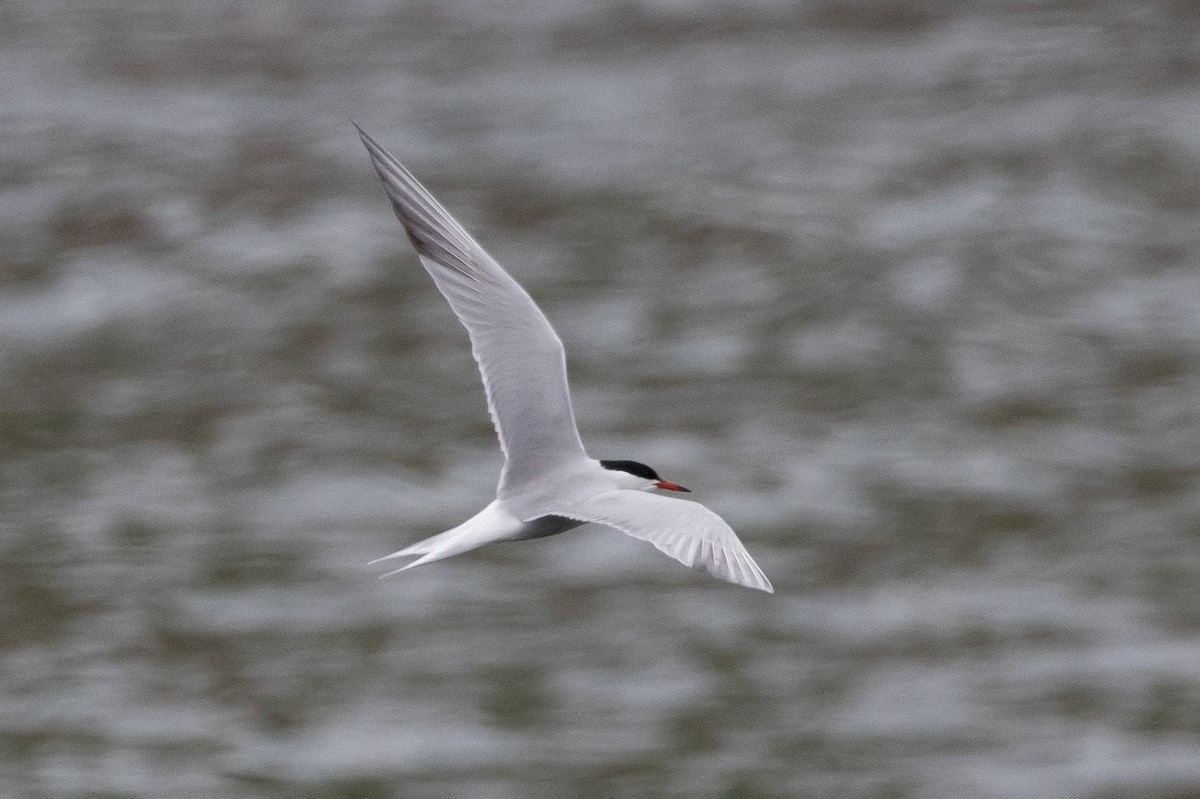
[763, 582]
[757, 580]
[373, 147]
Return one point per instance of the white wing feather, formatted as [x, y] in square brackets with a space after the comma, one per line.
[520, 357]
[685, 530]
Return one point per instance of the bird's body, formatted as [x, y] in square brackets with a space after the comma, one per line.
[548, 484]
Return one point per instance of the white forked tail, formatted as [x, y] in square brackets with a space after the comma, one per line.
[486, 527]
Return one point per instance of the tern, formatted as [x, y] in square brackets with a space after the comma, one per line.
[548, 483]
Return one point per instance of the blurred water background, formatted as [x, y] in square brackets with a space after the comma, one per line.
[907, 291]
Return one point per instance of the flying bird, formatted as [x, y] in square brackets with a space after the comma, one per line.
[548, 484]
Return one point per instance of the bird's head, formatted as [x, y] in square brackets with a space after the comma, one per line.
[639, 476]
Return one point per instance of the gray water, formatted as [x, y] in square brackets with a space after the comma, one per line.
[908, 292]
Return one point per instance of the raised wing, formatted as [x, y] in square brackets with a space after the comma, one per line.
[520, 357]
[687, 531]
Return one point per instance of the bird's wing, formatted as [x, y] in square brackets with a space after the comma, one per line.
[687, 531]
[520, 357]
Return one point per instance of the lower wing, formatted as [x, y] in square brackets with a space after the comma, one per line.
[687, 531]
